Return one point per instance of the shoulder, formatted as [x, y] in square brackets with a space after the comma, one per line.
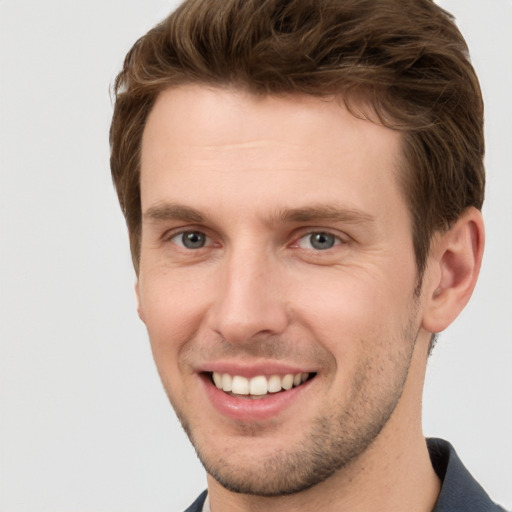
[460, 492]
[197, 506]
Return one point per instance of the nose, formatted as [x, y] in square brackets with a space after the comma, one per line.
[250, 300]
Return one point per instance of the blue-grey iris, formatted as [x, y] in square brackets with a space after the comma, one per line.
[322, 241]
[193, 239]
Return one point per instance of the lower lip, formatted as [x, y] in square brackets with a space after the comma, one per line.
[252, 409]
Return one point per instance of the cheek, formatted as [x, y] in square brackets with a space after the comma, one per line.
[171, 309]
[352, 311]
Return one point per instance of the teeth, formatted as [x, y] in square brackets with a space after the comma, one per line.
[227, 382]
[259, 385]
[217, 379]
[274, 384]
[240, 385]
[287, 382]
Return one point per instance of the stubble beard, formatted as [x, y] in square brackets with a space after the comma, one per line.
[326, 449]
[332, 443]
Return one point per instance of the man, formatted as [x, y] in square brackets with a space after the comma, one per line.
[302, 183]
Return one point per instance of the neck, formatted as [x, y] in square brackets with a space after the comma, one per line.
[401, 482]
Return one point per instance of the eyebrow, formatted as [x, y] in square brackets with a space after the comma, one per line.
[314, 213]
[172, 211]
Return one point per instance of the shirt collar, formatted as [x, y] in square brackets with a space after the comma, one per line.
[459, 491]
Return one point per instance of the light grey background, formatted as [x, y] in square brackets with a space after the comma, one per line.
[84, 423]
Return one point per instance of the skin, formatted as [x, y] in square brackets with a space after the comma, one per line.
[256, 177]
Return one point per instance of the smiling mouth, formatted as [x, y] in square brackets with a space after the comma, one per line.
[259, 386]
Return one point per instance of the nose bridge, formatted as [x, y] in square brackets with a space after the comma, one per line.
[249, 299]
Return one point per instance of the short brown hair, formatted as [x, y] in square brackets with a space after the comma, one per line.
[406, 58]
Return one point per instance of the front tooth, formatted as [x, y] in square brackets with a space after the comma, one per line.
[227, 382]
[258, 386]
[274, 384]
[217, 379]
[287, 382]
[297, 379]
[240, 385]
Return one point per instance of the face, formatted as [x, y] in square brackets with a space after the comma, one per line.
[277, 280]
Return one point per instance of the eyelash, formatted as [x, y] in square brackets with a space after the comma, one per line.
[175, 235]
[337, 240]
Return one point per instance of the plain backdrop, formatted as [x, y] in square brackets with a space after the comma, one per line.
[84, 423]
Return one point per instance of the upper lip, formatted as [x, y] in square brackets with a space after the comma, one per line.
[250, 370]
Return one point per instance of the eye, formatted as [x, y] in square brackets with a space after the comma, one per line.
[320, 241]
[190, 239]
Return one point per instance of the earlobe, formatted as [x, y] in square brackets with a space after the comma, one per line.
[453, 268]
[137, 296]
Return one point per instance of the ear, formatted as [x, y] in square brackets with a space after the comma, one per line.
[453, 267]
[137, 296]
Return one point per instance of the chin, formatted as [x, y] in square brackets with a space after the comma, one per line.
[289, 469]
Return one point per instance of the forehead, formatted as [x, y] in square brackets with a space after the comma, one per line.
[217, 115]
[293, 149]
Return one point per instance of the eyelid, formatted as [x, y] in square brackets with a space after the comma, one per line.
[168, 236]
[171, 234]
[168, 232]
[177, 239]
[341, 238]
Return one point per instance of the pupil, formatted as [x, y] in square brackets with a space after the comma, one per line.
[322, 241]
[193, 240]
